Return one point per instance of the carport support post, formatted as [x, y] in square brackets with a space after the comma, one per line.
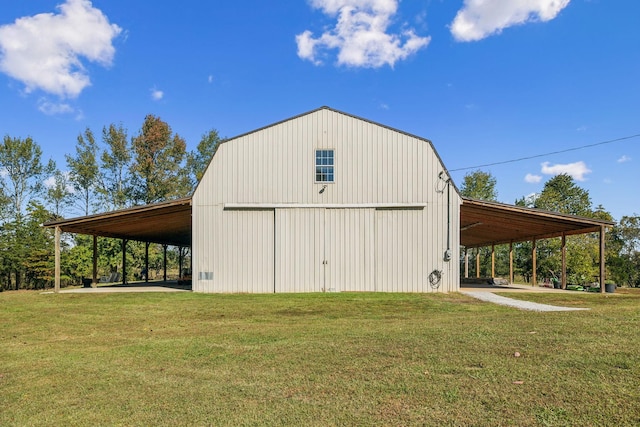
[510, 262]
[477, 263]
[124, 261]
[94, 279]
[534, 275]
[563, 278]
[493, 260]
[602, 259]
[146, 262]
[57, 260]
[466, 263]
[164, 247]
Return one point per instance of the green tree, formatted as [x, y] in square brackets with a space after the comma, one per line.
[561, 194]
[58, 195]
[23, 181]
[623, 259]
[5, 206]
[114, 173]
[479, 185]
[199, 159]
[26, 249]
[77, 259]
[21, 159]
[37, 244]
[84, 169]
[158, 171]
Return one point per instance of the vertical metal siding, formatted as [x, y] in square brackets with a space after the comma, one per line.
[324, 250]
[400, 251]
[299, 250]
[349, 249]
[373, 165]
[248, 254]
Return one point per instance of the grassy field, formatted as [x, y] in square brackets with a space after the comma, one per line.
[317, 360]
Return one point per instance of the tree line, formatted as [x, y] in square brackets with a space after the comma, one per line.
[106, 172]
[561, 194]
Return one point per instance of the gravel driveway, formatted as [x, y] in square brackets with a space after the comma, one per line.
[522, 305]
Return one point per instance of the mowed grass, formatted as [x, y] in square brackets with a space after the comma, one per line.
[317, 360]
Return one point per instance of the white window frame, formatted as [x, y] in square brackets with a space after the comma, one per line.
[324, 170]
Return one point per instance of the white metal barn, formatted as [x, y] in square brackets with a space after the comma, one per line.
[326, 201]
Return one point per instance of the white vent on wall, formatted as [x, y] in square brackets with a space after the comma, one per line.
[205, 275]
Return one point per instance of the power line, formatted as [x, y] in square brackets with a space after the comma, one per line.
[546, 154]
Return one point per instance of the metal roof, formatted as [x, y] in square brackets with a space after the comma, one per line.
[485, 223]
[167, 223]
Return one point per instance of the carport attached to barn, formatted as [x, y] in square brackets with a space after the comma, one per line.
[487, 224]
[167, 223]
[482, 224]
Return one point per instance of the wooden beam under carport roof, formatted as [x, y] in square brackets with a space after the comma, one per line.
[485, 223]
[164, 223]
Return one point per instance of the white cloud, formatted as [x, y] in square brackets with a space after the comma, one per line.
[360, 34]
[50, 182]
[576, 170]
[156, 94]
[66, 176]
[45, 51]
[481, 18]
[624, 159]
[52, 108]
[532, 179]
[210, 78]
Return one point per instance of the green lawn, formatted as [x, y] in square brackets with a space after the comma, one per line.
[317, 360]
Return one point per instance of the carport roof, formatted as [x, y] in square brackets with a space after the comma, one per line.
[167, 223]
[484, 223]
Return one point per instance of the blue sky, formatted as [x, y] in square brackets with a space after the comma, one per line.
[485, 80]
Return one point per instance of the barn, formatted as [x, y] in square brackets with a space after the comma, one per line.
[325, 202]
[329, 202]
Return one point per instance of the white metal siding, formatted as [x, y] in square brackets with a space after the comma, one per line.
[324, 250]
[248, 253]
[400, 255]
[349, 250]
[374, 166]
[299, 250]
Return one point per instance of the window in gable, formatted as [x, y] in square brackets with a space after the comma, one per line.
[324, 166]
